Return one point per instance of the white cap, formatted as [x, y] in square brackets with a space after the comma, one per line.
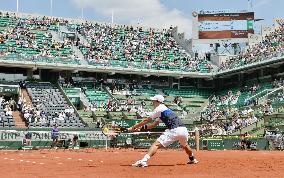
[159, 98]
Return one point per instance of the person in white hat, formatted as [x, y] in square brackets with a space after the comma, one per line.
[176, 131]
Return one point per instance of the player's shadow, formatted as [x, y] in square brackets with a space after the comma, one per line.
[158, 165]
[89, 166]
[152, 165]
[181, 164]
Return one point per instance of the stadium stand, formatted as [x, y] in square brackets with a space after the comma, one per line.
[190, 100]
[130, 101]
[126, 46]
[114, 45]
[228, 116]
[6, 113]
[48, 107]
[30, 38]
[271, 46]
[119, 46]
[38, 39]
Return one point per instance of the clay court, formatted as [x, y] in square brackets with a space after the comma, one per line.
[116, 163]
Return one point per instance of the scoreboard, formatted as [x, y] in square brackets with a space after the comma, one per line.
[224, 25]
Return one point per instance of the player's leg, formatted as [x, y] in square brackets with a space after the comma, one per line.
[152, 150]
[182, 137]
[28, 142]
[163, 141]
[189, 152]
[54, 142]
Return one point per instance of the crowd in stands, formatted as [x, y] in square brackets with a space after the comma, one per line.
[36, 23]
[31, 113]
[118, 45]
[228, 120]
[130, 89]
[229, 99]
[267, 107]
[232, 98]
[279, 97]
[271, 46]
[223, 105]
[225, 120]
[129, 105]
[278, 83]
[130, 47]
[177, 100]
[36, 111]
[235, 117]
[224, 108]
[8, 105]
[149, 49]
[127, 89]
[30, 37]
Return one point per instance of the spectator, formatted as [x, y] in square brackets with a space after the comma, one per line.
[28, 137]
[12, 104]
[75, 140]
[54, 135]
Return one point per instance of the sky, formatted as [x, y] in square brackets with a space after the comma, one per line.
[150, 13]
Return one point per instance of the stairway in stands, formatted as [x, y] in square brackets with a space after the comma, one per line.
[26, 95]
[17, 115]
[19, 121]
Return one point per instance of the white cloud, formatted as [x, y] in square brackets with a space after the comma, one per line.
[149, 13]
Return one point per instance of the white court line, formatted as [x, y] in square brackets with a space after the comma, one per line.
[12, 159]
[21, 160]
[102, 161]
[34, 162]
[57, 157]
[69, 158]
[6, 158]
[43, 156]
[80, 159]
[41, 163]
[90, 160]
[27, 161]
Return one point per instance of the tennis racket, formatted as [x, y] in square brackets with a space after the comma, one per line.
[111, 129]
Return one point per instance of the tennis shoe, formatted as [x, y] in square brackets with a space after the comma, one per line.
[192, 161]
[140, 163]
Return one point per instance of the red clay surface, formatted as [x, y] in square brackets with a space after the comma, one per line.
[116, 164]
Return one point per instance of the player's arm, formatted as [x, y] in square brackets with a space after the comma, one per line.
[139, 125]
[152, 125]
[155, 114]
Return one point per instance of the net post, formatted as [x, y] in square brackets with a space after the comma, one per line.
[106, 142]
[197, 139]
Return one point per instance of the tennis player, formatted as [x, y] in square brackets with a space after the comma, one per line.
[176, 131]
